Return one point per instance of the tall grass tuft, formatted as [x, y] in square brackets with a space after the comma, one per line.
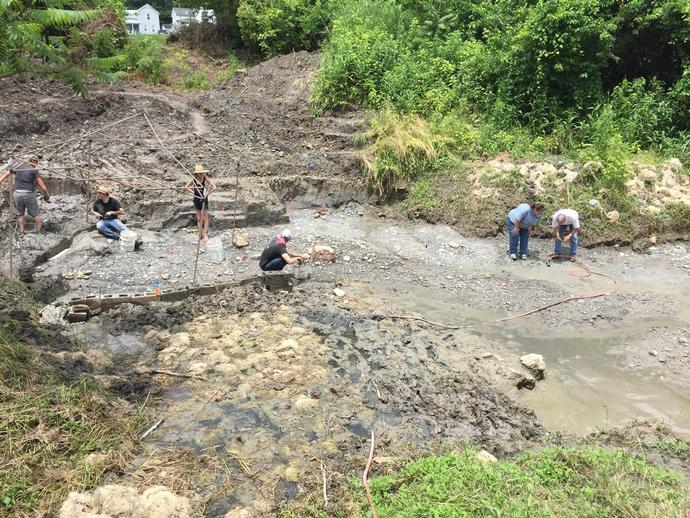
[399, 146]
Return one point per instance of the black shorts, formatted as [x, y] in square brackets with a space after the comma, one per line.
[200, 204]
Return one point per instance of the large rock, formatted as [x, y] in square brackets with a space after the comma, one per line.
[535, 363]
[53, 315]
[674, 164]
[116, 501]
[323, 254]
[240, 240]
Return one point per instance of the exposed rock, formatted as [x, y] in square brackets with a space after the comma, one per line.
[674, 164]
[454, 244]
[197, 368]
[158, 502]
[339, 292]
[534, 362]
[304, 403]
[116, 501]
[484, 457]
[93, 242]
[240, 240]
[53, 315]
[324, 254]
[613, 216]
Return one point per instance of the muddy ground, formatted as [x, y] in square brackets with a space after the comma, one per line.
[288, 385]
[296, 380]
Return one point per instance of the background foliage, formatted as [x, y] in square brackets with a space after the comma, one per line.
[563, 69]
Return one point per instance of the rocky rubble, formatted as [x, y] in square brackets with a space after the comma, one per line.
[116, 501]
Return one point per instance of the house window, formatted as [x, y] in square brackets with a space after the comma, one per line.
[148, 16]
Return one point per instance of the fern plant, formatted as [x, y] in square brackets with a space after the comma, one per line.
[32, 34]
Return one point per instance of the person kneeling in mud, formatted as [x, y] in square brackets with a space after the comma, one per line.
[276, 255]
[108, 210]
[201, 186]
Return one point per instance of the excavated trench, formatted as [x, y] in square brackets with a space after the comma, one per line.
[290, 381]
[287, 386]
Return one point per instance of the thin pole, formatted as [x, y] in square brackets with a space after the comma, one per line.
[87, 194]
[10, 225]
[237, 189]
[198, 245]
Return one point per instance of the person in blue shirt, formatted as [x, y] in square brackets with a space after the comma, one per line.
[520, 221]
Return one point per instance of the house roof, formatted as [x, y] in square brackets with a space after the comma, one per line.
[135, 11]
[183, 11]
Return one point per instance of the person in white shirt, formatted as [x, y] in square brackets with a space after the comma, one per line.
[566, 227]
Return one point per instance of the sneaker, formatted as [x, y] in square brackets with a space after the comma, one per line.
[513, 257]
[523, 256]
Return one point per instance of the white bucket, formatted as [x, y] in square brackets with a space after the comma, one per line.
[214, 250]
[127, 240]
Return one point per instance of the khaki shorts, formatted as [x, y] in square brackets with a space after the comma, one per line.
[26, 202]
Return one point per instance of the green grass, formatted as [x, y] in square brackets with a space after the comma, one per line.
[46, 435]
[49, 427]
[565, 482]
[673, 446]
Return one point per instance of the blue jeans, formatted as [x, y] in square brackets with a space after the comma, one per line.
[110, 228]
[274, 264]
[522, 238]
[563, 230]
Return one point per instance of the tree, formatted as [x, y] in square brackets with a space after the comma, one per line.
[32, 41]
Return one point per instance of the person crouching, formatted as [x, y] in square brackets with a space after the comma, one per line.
[276, 255]
[108, 210]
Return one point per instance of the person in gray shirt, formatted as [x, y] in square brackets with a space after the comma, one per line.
[26, 179]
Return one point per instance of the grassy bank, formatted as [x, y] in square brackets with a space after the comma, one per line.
[557, 481]
[455, 84]
[58, 433]
[443, 168]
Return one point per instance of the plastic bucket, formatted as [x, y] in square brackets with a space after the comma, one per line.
[127, 240]
[214, 250]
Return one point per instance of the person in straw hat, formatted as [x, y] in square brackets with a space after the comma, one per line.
[108, 210]
[201, 186]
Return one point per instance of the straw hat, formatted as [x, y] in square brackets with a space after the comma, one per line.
[200, 169]
[103, 190]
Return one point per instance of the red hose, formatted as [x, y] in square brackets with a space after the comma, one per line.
[588, 272]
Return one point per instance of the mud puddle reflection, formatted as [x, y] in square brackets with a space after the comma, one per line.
[586, 386]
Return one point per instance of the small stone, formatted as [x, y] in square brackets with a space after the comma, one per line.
[338, 292]
[484, 458]
[304, 404]
[674, 164]
[454, 244]
[533, 362]
[346, 258]
[654, 353]
[240, 240]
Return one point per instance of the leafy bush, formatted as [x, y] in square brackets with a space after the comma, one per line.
[197, 80]
[144, 56]
[643, 111]
[275, 26]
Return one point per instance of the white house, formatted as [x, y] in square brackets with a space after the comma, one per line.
[144, 20]
[182, 16]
